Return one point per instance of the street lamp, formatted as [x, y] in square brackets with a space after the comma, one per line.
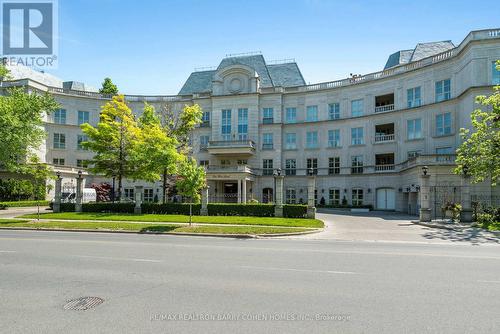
[276, 173]
[310, 172]
[58, 174]
[425, 169]
[79, 174]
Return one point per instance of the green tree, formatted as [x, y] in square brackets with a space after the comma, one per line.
[177, 127]
[191, 180]
[480, 150]
[108, 87]
[113, 141]
[21, 125]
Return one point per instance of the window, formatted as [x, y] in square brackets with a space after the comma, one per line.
[443, 90]
[443, 124]
[413, 97]
[313, 163]
[290, 141]
[357, 164]
[225, 163]
[205, 163]
[312, 139]
[357, 136]
[83, 117]
[205, 119]
[148, 195]
[414, 154]
[334, 111]
[59, 140]
[79, 140]
[414, 128]
[291, 196]
[226, 124]
[333, 138]
[267, 167]
[267, 142]
[129, 193]
[204, 142]
[445, 152]
[242, 162]
[334, 197]
[290, 167]
[82, 163]
[312, 113]
[268, 117]
[357, 197]
[58, 161]
[495, 76]
[334, 165]
[291, 115]
[242, 123]
[357, 108]
[60, 116]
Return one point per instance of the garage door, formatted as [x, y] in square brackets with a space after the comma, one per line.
[386, 199]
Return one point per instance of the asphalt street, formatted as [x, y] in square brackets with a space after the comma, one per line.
[167, 284]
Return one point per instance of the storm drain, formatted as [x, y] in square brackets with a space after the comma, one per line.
[83, 303]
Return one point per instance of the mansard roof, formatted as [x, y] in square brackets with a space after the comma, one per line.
[421, 50]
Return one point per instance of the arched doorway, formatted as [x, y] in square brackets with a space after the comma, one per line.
[267, 195]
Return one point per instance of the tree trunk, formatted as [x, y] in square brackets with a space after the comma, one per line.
[190, 213]
[119, 188]
[164, 186]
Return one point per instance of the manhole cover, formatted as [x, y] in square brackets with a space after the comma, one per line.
[83, 303]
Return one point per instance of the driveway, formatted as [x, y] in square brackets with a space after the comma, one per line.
[393, 227]
[14, 212]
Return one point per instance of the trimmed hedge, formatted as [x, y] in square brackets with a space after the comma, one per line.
[170, 208]
[254, 210]
[294, 211]
[20, 204]
[214, 209]
[368, 206]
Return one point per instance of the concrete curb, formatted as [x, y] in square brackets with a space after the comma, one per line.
[454, 227]
[235, 236]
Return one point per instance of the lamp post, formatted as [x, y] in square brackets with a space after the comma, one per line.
[38, 168]
[276, 173]
[78, 200]
[57, 198]
[466, 212]
[425, 210]
[311, 185]
[278, 182]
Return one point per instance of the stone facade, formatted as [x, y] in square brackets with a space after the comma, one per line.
[388, 152]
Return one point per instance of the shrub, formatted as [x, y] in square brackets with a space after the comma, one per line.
[108, 207]
[294, 211]
[485, 220]
[19, 204]
[347, 206]
[3, 206]
[255, 210]
[170, 208]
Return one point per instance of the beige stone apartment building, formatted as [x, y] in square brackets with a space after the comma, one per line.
[366, 138]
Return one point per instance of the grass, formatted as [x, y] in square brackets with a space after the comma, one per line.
[143, 227]
[19, 204]
[234, 220]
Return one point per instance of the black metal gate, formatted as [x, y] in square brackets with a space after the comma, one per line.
[443, 195]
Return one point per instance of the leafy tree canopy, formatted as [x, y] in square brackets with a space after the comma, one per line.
[192, 179]
[108, 87]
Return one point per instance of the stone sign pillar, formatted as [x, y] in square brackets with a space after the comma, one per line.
[278, 207]
[57, 199]
[204, 201]
[311, 186]
[466, 213]
[138, 199]
[79, 192]
[425, 210]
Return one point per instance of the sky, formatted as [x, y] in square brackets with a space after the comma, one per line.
[151, 46]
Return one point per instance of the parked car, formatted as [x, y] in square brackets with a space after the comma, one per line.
[89, 196]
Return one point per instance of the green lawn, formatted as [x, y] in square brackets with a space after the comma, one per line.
[143, 227]
[235, 220]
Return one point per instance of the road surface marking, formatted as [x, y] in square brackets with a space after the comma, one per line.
[1, 251]
[302, 270]
[484, 281]
[117, 258]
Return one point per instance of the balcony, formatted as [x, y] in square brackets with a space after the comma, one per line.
[232, 147]
[205, 124]
[384, 162]
[384, 102]
[384, 133]
[268, 120]
[267, 146]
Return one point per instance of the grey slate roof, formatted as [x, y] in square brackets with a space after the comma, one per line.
[422, 50]
[286, 75]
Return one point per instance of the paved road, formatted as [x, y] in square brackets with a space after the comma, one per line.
[14, 212]
[147, 279]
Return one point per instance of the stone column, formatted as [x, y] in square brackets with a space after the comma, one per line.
[466, 213]
[244, 191]
[138, 199]
[79, 193]
[239, 191]
[204, 201]
[311, 186]
[57, 198]
[278, 207]
[425, 210]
